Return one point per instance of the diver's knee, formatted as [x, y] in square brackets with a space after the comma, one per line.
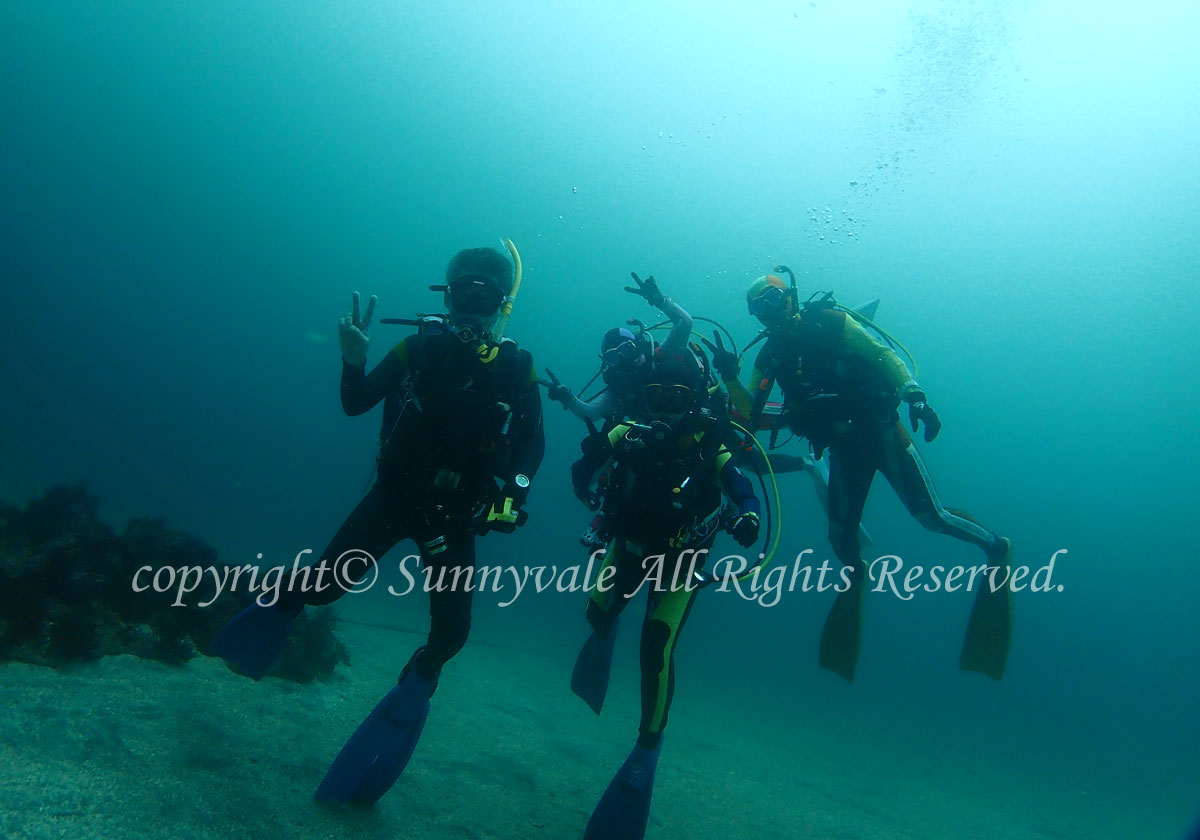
[930, 520]
[845, 544]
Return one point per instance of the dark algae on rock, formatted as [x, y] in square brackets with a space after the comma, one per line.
[67, 592]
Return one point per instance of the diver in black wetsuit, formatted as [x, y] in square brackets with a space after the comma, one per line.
[461, 412]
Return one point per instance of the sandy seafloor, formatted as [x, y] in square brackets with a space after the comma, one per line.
[131, 748]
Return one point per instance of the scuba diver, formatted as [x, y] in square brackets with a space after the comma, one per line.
[761, 461]
[626, 359]
[461, 410]
[662, 496]
[842, 389]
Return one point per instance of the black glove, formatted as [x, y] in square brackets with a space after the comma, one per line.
[919, 410]
[725, 360]
[745, 529]
[555, 390]
[647, 288]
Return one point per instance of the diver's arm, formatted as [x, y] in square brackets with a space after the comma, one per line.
[681, 325]
[752, 399]
[858, 342]
[361, 391]
[735, 484]
[601, 406]
[728, 364]
[529, 435]
[681, 330]
[597, 452]
[739, 394]
[582, 472]
[744, 529]
[749, 402]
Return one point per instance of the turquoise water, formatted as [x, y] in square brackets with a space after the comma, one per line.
[192, 192]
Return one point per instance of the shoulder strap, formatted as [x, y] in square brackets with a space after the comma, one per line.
[514, 366]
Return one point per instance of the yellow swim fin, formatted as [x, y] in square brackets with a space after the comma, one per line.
[841, 637]
[989, 629]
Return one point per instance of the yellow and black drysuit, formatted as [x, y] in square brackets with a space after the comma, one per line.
[662, 497]
[842, 389]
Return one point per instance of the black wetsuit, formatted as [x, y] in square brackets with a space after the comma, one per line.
[456, 418]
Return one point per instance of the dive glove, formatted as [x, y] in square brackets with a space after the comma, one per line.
[647, 289]
[919, 410]
[557, 391]
[745, 529]
[724, 359]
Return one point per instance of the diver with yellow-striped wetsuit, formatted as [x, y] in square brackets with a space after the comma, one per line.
[842, 389]
[664, 473]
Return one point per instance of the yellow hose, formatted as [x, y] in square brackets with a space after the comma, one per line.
[506, 309]
[865, 321]
[778, 510]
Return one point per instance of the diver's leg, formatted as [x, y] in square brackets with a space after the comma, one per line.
[905, 470]
[783, 463]
[381, 747]
[989, 628]
[851, 469]
[375, 525]
[253, 640]
[449, 608]
[606, 604]
[624, 809]
[589, 677]
[666, 614]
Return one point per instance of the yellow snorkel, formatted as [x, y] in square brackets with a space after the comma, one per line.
[506, 309]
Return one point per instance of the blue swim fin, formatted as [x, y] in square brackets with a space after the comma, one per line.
[380, 748]
[589, 679]
[624, 810]
[253, 640]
